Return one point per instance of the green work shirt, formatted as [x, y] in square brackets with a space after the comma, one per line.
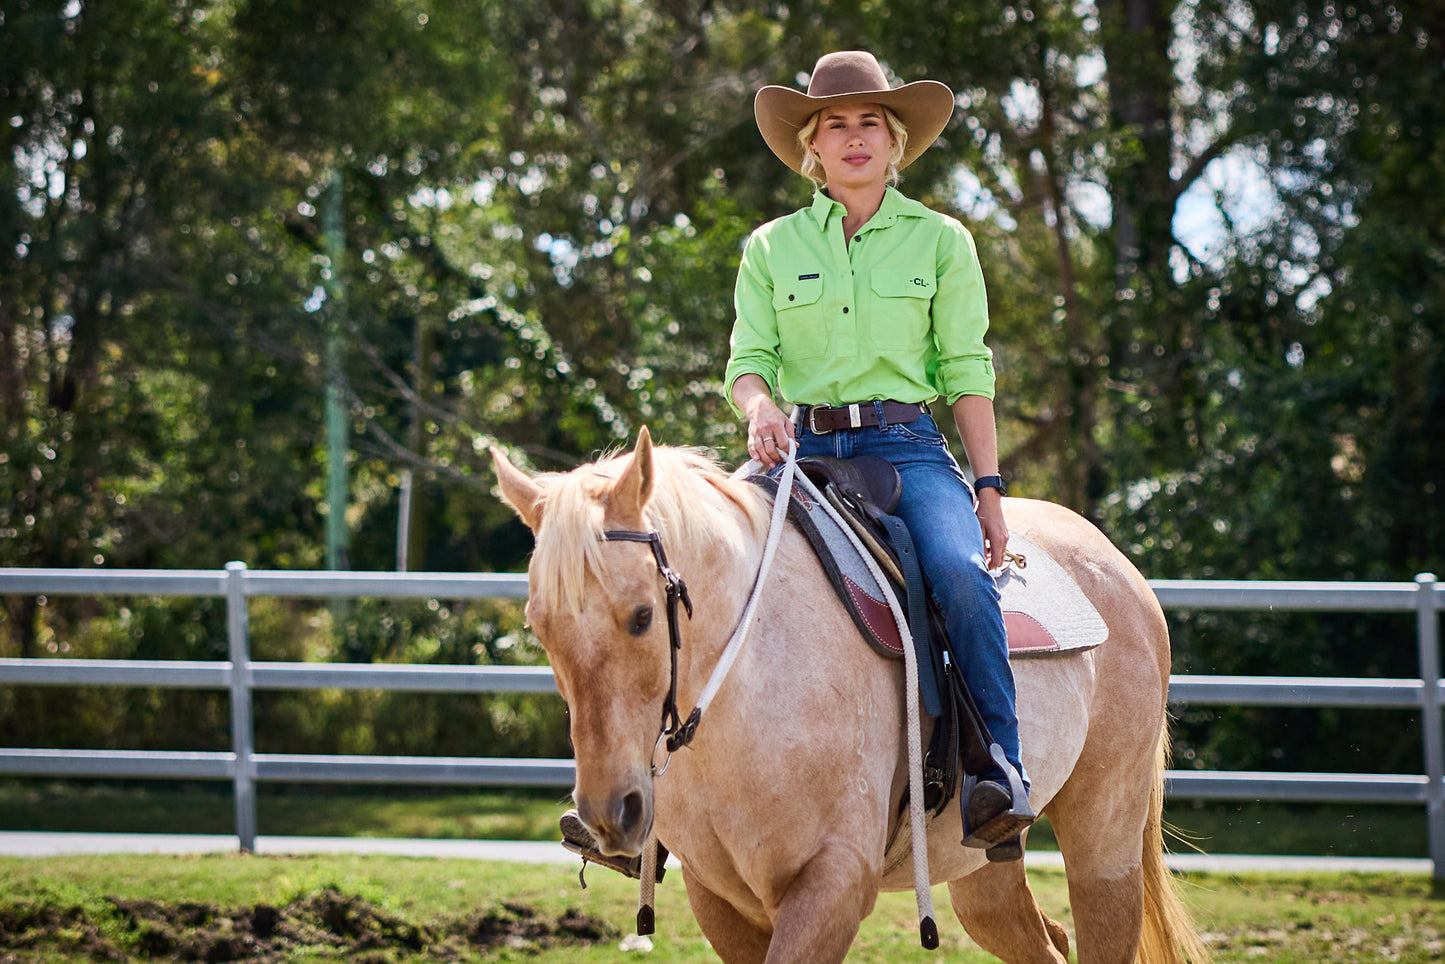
[897, 312]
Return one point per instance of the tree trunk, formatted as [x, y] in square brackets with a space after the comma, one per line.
[1144, 332]
[1136, 46]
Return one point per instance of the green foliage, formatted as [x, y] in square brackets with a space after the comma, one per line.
[520, 222]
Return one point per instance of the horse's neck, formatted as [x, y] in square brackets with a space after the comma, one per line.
[720, 578]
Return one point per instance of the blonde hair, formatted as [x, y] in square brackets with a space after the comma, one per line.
[812, 168]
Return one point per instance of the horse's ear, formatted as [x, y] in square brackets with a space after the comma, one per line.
[634, 487]
[519, 490]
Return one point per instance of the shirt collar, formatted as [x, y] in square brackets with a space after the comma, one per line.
[893, 207]
[823, 207]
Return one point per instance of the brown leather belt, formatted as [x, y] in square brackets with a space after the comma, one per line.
[822, 419]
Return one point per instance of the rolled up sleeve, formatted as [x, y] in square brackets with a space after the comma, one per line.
[960, 318]
[754, 343]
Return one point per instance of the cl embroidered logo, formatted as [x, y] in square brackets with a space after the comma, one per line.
[920, 282]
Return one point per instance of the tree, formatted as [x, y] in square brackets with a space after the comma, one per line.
[543, 205]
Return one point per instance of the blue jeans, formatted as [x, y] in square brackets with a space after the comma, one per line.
[937, 507]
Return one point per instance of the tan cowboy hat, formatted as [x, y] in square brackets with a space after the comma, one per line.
[848, 76]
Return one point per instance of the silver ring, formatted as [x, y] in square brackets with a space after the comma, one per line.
[769, 439]
[666, 762]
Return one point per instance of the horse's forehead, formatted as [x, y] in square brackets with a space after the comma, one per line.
[592, 483]
[580, 638]
[596, 483]
[569, 585]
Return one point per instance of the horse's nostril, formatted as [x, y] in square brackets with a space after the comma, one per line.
[632, 809]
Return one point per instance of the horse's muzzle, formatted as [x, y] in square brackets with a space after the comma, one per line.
[620, 822]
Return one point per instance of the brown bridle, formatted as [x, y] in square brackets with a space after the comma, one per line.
[678, 733]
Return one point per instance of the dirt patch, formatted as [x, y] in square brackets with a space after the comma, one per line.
[45, 928]
[346, 926]
[518, 926]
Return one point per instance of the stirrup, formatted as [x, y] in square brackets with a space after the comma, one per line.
[1004, 828]
[578, 839]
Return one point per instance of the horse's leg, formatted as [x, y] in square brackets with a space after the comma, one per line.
[998, 910]
[817, 917]
[1099, 818]
[733, 937]
[1108, 912]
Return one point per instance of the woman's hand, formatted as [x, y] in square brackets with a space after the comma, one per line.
[769, 430]
[995, 529]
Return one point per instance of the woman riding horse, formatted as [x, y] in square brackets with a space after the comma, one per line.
[786, 810]
[862, 308]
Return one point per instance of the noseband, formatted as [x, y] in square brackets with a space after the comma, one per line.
[678, 733]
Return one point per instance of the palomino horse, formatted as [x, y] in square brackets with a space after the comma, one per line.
[781, 808]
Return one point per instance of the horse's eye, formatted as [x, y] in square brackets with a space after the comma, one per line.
[641, 620]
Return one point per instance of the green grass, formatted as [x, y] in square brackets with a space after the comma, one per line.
[1277, 918]
[134, 807]
[1301, 919]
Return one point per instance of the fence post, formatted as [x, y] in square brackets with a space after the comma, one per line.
[242, 736]
[1428, 631]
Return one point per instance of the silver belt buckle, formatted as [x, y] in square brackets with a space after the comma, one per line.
[812, 420]
[855, 419]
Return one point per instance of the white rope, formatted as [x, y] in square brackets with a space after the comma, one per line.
[720, 671]
[775, 531]
[645, 916]
[922, 891]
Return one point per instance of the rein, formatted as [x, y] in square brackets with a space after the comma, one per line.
[676, 732]
[679, 734]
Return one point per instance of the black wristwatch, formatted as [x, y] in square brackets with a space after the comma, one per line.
[990, 482]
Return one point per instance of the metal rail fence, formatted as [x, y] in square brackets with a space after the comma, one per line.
[244, 767]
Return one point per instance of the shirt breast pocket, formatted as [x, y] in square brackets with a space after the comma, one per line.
[903, 304]
[801, 330]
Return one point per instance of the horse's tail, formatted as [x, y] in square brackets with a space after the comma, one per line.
[1169, 935]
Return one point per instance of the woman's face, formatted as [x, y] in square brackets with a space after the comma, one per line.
[852, 144]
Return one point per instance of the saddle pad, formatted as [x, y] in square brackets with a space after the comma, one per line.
[863, 596]
[1044, 610]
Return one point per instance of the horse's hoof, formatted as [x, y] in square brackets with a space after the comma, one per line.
[578, 839]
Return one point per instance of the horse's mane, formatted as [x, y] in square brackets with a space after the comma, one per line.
[690, 493]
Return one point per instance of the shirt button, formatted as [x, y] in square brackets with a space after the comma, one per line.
[790, 297]
[845, 311]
